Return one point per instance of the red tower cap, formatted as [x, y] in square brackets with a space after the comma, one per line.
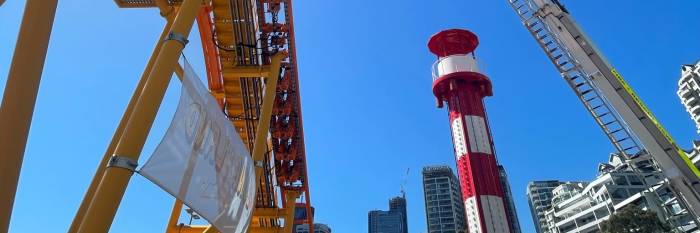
[453, 41]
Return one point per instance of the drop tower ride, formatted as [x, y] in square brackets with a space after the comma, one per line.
[457, 81]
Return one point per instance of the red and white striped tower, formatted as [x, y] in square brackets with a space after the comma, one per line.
[456, 80]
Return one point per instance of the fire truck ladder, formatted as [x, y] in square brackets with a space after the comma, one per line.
[597, 105]
[623, 137]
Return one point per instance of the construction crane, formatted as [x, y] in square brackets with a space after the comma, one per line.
[403, 183]
[620, 113]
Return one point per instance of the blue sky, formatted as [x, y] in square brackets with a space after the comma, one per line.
[369, 113]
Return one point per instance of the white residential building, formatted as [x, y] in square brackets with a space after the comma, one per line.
[539, 197]
[689, 91]
[581, 207]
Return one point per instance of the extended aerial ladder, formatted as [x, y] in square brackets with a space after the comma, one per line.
[619, 112]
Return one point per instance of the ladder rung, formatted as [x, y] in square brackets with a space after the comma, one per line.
[615, 131]
[525, 20]
[548, 43]
[521, 6]
[580, 84]
[596, 107]
[618, 141]
[538, 30]
[553, 50]
[563, 63]
[558, 56]
[523, 13]
[574, 78]
[586, 92]
[609, 123]
[604, 114]
[534, 24]
[628, 148]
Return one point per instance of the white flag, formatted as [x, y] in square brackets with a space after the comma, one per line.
[202, 161]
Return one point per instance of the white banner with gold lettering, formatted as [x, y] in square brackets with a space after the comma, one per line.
[202, 161]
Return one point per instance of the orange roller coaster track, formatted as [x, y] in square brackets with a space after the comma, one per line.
[239, 33]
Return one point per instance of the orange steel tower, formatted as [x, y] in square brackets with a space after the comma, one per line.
[457, 81]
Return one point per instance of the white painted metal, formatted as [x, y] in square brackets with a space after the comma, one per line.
[458, 137]
[478, 135]
[454, 63]
[494, 214]
[473, 219]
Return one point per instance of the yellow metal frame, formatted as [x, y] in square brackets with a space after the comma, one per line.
[109, 191]
[19, 98]
[107, 188]
[166, 11]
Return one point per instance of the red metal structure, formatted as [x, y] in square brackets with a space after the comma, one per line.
[457, 81]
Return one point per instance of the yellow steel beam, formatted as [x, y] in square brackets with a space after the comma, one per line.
[261, 133]
[248, 71]
[189, 229]
[291, 198]
[269, 212]
[19, 98]
[174, 216]
[109, 192]
[89, 194]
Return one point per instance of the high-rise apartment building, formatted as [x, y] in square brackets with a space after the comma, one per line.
[582, 206]
[318, 228]
[508, 199]
[689, 91]
[539, 197]
[398, 204]
[443, 200]
[392, 221]
[694, 153]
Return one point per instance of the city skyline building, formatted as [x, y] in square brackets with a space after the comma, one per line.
[318, 228]
[392, 221]
[582, 206]
[689, 91]
[539, 198]
[508, 198]
[398, 204]
[444, 208]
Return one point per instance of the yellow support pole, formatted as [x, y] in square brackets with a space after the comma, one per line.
[19, 98]
[261, 132]
[112, 186]
[174, 216]
[289, 207]
[89, 194]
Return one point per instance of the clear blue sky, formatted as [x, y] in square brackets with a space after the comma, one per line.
[369, 113]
